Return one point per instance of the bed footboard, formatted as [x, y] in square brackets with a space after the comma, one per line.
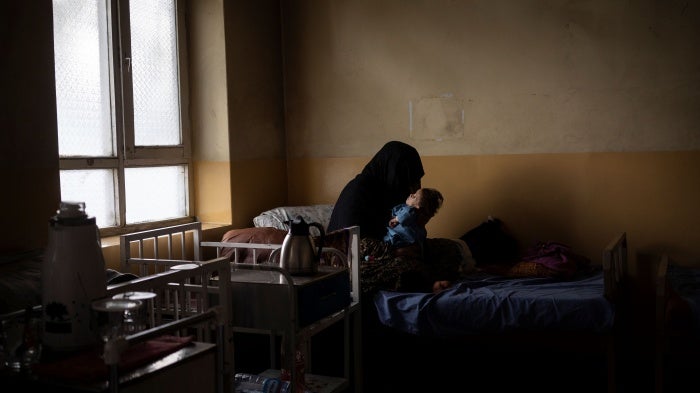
[677, 323]
[615, 266]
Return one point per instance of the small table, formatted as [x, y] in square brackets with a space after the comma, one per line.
[267, 299]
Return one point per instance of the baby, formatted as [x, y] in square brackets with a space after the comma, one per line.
[407, 225]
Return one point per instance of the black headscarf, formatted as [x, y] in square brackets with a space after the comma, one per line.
[387, 180]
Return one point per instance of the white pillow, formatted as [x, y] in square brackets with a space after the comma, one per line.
[279, 216]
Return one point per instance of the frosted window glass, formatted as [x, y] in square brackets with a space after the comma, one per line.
[155, 73]
[155, 193]
[83, 103]
[95, 187]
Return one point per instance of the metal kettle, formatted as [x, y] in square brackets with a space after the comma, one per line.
[297, 255]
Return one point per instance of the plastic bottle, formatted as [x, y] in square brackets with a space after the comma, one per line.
[253, 383]
[299, 370]
[72, 276]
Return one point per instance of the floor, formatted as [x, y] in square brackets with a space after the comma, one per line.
[391, 365]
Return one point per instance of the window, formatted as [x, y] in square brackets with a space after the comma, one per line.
[123, 131]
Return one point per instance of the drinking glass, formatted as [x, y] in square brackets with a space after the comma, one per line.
[20, 339]
[143, 313]
[115, 317]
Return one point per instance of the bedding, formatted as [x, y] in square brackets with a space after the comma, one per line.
[412, 269]
[269, 235]
[262, 235]
[279, 216]
[20, 280]
[550, 287]
[487, 303]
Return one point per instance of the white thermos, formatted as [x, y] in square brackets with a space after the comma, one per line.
[72, 276]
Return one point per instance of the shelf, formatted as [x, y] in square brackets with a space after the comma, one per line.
[311, 329]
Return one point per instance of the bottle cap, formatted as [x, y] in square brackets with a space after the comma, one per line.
[69, 209]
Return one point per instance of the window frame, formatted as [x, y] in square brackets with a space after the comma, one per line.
[128, 155]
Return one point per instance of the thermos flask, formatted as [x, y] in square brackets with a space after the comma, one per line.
[72, 276]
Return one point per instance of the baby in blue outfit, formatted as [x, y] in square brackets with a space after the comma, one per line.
[407, 225]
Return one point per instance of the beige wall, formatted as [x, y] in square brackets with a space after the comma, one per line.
[491, 77]
[255, 108]
[206, 75]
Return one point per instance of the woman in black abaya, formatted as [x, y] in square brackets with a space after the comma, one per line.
[389, 177]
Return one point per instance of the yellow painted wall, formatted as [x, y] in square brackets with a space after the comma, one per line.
[256, 186]
[213, 191]
[580, 199]
[208, 110]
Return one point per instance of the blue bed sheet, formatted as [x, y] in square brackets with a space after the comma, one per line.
[486, 303]
[686, 282]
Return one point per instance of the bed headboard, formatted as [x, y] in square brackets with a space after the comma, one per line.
[615, 266]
